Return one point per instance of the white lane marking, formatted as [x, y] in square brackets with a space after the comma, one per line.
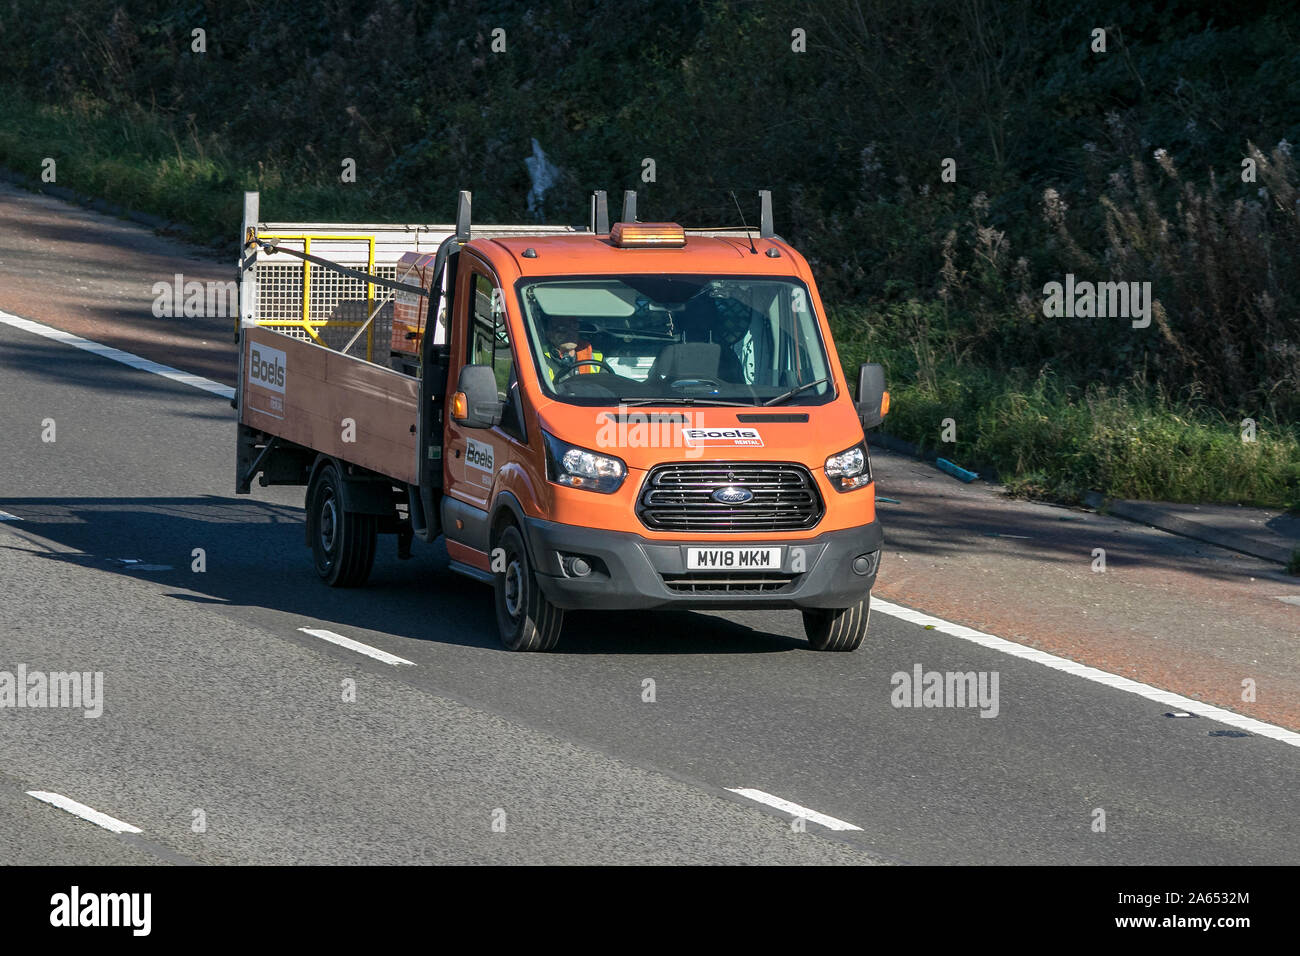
[785, 806]
[6, 516]
[135, 564]
[1288, 598]
[357, 646]
[89, 814]
[117, 355]
[1176, 702]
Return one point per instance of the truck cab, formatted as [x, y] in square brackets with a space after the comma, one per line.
[647, 419]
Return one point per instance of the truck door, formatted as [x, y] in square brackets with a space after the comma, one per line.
[475, 455]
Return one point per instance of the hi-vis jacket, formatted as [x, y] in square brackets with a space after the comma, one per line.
[556, 363]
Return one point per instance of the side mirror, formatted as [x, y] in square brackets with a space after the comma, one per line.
[873, 400]
[475, 404]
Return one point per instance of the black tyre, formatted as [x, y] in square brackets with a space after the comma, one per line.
[342, 542]
[525, 619]
[839, 629]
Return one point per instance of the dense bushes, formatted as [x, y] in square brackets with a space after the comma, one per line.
[1122, 165]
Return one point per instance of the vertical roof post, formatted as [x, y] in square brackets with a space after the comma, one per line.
[462, 214]
[599, 212]
[765, 228]
[248, 261]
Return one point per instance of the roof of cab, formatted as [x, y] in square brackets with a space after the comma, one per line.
[584, 253]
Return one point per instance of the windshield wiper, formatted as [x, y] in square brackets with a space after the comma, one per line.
[682, 400]
[795, 391]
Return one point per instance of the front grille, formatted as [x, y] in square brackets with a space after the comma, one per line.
[678, 497]
[705, 583]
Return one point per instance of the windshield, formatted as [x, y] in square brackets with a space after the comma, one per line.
[653, 339]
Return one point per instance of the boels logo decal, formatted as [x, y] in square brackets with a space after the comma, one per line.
[479, 455]
[723, 436]
[266, 367]
[267, 372]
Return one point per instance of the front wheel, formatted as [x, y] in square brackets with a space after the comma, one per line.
[526, 620]
[837, 629]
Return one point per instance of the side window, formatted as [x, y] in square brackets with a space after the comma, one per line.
[489, 344]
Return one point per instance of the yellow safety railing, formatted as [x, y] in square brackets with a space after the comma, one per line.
[309, 325]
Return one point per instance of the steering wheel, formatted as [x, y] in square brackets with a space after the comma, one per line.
[573, 369]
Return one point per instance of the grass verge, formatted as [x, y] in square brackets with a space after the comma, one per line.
[1052, 439]
[162, 166]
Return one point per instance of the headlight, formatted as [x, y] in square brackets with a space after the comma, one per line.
[849, 469]
[576, 467]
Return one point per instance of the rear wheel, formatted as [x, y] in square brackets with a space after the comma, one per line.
[342, 541]
[837, 629]
[527, 621]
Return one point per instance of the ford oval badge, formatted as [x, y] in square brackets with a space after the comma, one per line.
[731, 495]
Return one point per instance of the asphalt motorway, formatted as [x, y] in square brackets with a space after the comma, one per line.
[227, 735]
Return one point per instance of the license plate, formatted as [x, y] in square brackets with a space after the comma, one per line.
[733, 559]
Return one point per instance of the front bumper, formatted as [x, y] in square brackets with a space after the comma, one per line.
[631, 572]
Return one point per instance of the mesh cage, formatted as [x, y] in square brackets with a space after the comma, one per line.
[337, 306]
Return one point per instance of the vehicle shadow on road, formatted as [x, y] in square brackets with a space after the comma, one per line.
[231, 552]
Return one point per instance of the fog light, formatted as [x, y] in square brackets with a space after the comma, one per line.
[576, 567]
[864, 563]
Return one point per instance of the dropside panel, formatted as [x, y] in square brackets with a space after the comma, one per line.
[356, 411]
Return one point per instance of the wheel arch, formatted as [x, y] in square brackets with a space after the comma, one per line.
[369, 494]
[507, 510]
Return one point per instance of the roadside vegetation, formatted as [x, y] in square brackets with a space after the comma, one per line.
[1166, 159]
[1046, 437]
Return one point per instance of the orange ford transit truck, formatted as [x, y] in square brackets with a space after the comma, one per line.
[634, 416]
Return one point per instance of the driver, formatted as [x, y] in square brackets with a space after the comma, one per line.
[566, 347]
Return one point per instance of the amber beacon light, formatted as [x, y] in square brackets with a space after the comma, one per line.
[638, 235]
